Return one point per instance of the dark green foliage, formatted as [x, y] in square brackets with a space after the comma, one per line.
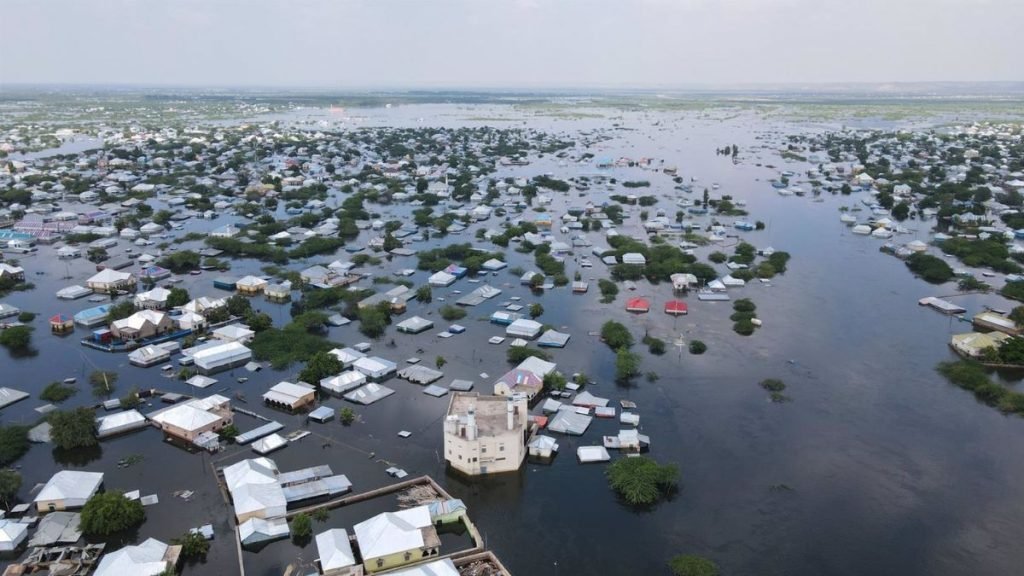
[929, 268]
[655, 346]
[10, 483]
[17, 339]
[57, 392]
[608, 290]
[193, 545]
[110, 512]
[627, 365]
[451, 313]
[178, 297]
[13, 443]
[301, 526]
[374, 320]
[972, 376]
[1013, 291]
[73, 428]
[616, 335]
[689, 565]
[641, 481]
[319, 366]
[293, 343]
[181, 262]
[121, 310]
[697, 347]
[347, 416]
[515, 355]
[989, 253]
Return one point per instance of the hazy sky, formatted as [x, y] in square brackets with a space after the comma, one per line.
[507, 43]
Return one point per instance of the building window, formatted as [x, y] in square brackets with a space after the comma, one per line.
[408, 556]
[380, 562]
[501, 448]
[484, 450]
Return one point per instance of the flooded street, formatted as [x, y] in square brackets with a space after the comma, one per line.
[876, 466]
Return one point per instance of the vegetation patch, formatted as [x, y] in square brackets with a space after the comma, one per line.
[641, 481]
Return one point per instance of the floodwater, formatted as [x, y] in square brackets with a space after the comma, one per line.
[876, 465]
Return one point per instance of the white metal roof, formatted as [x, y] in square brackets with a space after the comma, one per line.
[251, 471]
[335, 549]
[70, 485]
[392, 532]
[146, 559]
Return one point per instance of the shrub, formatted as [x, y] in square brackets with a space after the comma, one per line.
[193, 545]
[697, 347]
[688, 565]
[641, 481]
[57, 392]
[627, 365]
[450, 313]
[655, 346]
[301, 526]
[13, 443]
[929, 268]
[517, 354]
[615, 335]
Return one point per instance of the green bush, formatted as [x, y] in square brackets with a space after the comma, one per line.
[615, 335]
[697, 347]
[929, 268]
[641, 481]
[688, 565]
[451, 313]
[110, 512]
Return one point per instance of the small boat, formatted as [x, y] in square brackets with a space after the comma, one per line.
[196, 272]
[242, 380]
[70, 380]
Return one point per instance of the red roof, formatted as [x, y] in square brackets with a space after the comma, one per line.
[638, 305]
[675, 307]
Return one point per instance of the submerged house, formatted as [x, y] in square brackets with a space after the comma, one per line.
[395, 539]
[217, 356]
[142, 324]
[519, 381]
[290, 396]
[151, 558]
[108, 281]
[189, 420]
[68, 489]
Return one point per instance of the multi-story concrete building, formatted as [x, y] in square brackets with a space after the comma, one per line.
[486, 434]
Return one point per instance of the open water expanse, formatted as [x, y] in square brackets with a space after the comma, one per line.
[877, 466]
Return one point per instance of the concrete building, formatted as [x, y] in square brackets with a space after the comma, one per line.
[142, 324]
[234, 333]
[486, 434]
[109, 281]
[68, 489]
[395, 539]
[190, 419]
[519, 381]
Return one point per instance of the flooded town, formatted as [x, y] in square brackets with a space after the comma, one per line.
[276, 330]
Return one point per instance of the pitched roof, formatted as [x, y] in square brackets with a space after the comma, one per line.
[392, 532]
[70, 484]
[146, 559]
[335, 549]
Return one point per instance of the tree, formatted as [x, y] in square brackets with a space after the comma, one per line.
[319, 366]
[10, 483]
[17, 338]
[516, 355]
[13, 443]
[391, 243]
[121, 310]
[102, 382]
[178, 297]
[554, 381]
[73, 428]
[440, 362]
[229, 432]
[347, 416]
[689, 565]
[536, 309]
[641, 481]
[931, 269]
[615, 335]
[239, 306]
[697, 347]
[193, 545]
[258, 321]
[110, 512]
[301, 526]
[424, 294]
[1017, 315]
[627, 365]
[901, 211]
